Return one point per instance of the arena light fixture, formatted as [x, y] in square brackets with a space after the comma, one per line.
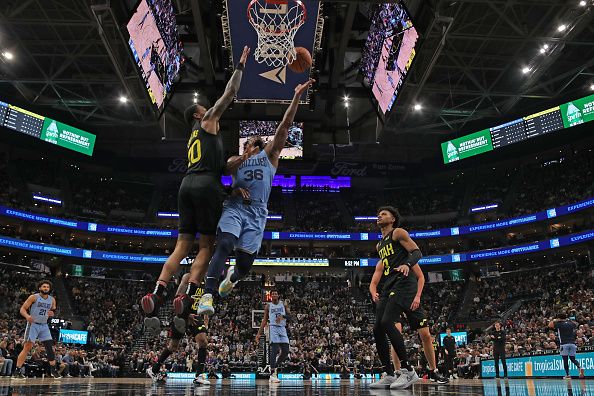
[562, 28]
[418, 107]
[8, 55]
[543, 50]
[195, 100]
[583, 3]
[592, 87]
[525, 70]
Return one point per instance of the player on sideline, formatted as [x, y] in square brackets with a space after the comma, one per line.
[275, 316]
[401, 293]
[243, 220]
[200, 200]
[197, 327]
[566, 332]
[36, 309]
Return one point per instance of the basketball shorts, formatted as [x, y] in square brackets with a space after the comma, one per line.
[568, 350]
[37, 332]
[399, 309]
[246, 222]
[191, 331]
[199, 203]
[278, 335]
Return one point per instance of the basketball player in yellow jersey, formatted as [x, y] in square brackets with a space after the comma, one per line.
[200, 200]
[401, 294]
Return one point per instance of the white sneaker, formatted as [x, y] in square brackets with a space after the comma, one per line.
[226, 285]
[201, 379]
[205, 305]
[455, 376]
[384, 383]
[405, 380]
[149, 372]
[274, 379]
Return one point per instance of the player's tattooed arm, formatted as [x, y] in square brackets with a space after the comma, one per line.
[215, 112]
[282, 132]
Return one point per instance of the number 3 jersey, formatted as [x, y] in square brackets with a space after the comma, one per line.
[393, 255]
[256, 175]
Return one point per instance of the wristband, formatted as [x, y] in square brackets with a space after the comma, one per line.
[240, 66]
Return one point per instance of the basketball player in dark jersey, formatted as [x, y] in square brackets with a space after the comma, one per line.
[196, 328]
[401, 294]
[200, 200]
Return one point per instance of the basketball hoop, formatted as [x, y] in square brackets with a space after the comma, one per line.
[277, 23]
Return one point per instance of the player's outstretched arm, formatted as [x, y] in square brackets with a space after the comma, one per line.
[282, 132]
[215, 112]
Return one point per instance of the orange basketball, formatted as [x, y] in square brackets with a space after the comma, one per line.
[302, 62]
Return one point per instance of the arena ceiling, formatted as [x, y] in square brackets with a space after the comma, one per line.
[71, 58]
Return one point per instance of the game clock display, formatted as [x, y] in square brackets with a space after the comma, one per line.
[566, 115]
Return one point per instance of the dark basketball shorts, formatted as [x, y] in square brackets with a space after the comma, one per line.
[191, 331]
[398, 307]
[200, 204]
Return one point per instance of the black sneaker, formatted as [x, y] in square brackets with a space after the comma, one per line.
[436, 376]
[19, 374]
[54, 374]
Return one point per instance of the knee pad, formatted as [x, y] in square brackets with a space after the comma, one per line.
[49, 350]
[226, 241]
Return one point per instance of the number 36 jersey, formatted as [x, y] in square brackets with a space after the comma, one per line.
[393, 255]
[255, 175]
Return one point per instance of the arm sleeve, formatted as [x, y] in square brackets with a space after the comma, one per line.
[414, 257]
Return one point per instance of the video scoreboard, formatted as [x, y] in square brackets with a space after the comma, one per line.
[46, 129]
[564, 116]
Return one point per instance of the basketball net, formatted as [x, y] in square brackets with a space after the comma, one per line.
[277, 23]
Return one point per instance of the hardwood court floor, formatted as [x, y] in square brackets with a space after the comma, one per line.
[136, 386]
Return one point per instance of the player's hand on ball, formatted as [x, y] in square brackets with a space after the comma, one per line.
[244, 55]
[404, 269]
[416, 303]
[301, 88]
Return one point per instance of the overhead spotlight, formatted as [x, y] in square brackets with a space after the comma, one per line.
[8, 55]
[123, 99]
[561, 28]
[543, 50]
[525, 69]
[591, 87]
[195, 100]
[195, 93]
[546, 46]
[583, 3]
[418, 107]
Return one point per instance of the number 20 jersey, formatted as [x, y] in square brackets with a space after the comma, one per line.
[256, 175]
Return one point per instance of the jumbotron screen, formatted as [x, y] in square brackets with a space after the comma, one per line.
[266, 130]
[156, 47]
[388, 52]
[567, 115]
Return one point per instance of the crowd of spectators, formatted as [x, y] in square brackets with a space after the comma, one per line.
[565, 180]
[96, 193]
